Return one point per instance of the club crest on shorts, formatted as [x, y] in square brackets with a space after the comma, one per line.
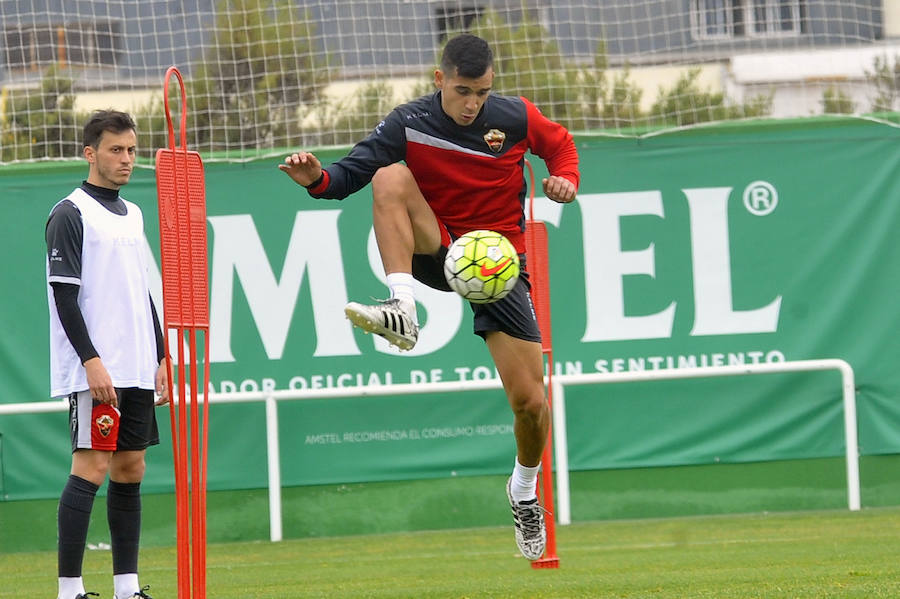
[494, 139]
[105, 424]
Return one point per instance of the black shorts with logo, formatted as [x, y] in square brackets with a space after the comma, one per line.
[130, 427]
[513, 315]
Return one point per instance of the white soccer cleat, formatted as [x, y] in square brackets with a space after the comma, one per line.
[389, 319]
[528, 516]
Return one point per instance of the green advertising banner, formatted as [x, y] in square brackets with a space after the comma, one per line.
[731, 244]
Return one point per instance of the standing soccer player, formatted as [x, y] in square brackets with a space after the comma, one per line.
[106, 353]
[464, 151]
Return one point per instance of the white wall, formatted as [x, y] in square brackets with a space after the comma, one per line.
[799, 79]
[892, 18]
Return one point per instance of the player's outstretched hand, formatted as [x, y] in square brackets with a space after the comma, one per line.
[302, 167]
[559, 189]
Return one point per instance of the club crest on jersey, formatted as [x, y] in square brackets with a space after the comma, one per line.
[494, 139]
[105, 424]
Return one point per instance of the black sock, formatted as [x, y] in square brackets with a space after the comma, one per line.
[123, 510]
[72, 520]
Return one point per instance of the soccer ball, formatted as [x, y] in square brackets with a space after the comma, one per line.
[482, 266]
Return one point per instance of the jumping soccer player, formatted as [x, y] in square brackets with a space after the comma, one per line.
[440, 166]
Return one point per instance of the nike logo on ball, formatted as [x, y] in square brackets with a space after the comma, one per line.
[487, 272]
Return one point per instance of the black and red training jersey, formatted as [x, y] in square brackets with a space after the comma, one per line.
[472, 176]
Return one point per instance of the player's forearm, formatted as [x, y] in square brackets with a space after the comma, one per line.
[355, 170]
[562, 161]
[554, 144]
[565, 164]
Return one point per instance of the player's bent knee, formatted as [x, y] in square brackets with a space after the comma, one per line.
[391, 182]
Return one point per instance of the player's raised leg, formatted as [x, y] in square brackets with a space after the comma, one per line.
[404, 224]
[520, 365]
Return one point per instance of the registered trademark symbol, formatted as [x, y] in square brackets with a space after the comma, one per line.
[760, 198]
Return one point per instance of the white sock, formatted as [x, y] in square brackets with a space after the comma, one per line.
[70, 587]
[523, 485]
[125, 585]
[401, 285]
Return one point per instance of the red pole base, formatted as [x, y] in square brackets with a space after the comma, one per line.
[545, 562]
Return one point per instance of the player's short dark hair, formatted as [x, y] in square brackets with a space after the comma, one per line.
[106, 120]
[470, 55]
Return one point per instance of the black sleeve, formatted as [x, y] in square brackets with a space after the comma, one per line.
[64, 235]
[160, 340]
[66, 297]
[385, 145]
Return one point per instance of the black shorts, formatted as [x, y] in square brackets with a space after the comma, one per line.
[513, 315]
[130, 427]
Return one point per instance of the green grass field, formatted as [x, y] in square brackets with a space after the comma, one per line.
[820, 554]
[638, 533]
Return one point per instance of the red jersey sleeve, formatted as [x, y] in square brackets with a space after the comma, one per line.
[553, 143]
[322, 185]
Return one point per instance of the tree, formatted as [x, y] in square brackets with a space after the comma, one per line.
[886, 80]
[528, 62]
[350, 120]
[42, 123]
[835, 101]
[686, 104]
[262, 65]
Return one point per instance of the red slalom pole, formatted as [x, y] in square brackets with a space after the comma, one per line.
[177, 416]
[538, 266]
[181, 192]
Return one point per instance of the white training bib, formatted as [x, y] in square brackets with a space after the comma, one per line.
[114, 299]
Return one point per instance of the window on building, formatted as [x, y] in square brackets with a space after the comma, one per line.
[726, 19]
[67, 44]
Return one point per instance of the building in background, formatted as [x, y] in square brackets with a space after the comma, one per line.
[116, 51]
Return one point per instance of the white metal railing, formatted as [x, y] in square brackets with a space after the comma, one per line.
[560, 442]
[272, 397]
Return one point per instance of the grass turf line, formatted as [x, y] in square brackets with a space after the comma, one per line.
[819, 554]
